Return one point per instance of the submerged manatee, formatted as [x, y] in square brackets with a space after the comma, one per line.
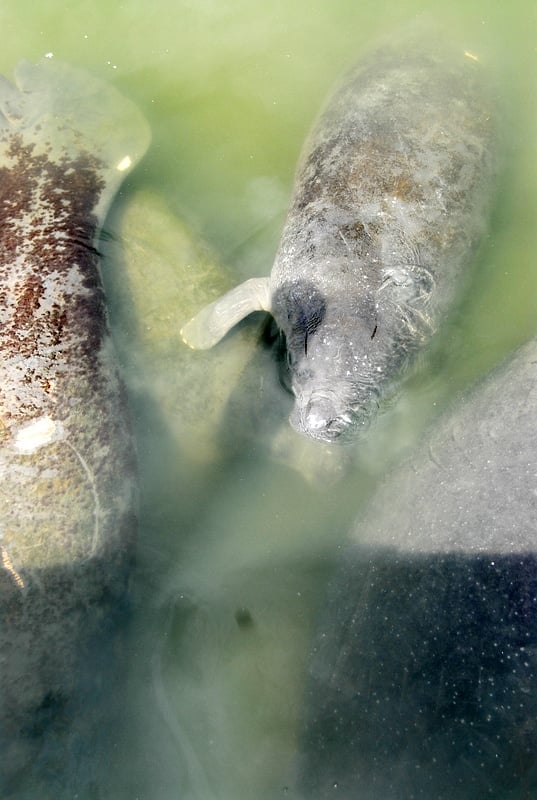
[213, 406]
[67, 472]
[424, 673]
[390, 200]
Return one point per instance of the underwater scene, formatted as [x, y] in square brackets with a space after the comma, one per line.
[217, 594]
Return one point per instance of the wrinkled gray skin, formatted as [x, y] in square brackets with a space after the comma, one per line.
[391, 197]
[424, 674]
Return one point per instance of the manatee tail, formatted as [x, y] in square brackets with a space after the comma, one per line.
[62, 112]
[215, 320]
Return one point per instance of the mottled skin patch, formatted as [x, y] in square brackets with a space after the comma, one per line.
[67, 467]
[57, 360]
[47, 226]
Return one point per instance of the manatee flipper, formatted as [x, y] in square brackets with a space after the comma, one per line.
[62, 111]
[215, 320]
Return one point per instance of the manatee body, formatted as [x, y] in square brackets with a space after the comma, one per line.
[162, 259]
[67, 469]
[391, 198]
[424, 675]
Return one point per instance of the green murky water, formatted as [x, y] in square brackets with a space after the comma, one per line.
[241, 520]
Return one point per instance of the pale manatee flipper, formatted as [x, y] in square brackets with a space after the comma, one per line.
[68, 483]
[215, 320]
[162, 274]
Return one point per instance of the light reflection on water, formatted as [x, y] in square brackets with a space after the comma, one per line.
[235, 543]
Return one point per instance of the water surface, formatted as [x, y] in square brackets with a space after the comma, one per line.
[237, 532]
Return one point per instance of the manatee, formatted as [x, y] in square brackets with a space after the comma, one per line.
[67, 462]
[391, 198]
[423, 679]
[164, 271]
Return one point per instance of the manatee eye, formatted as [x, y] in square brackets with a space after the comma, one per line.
[301, 309]
[305, 312]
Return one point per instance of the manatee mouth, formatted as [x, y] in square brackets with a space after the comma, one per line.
[321, 419]
[331, 415]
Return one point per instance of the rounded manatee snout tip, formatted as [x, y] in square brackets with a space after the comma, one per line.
[319, 418]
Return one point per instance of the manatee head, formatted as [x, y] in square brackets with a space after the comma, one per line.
[334, 359]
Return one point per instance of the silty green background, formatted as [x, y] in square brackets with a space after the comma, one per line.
[232, 567]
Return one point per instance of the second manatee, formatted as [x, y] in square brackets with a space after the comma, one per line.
[423, 671]
[391, 198]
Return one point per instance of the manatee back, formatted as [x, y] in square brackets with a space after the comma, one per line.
[397, 174]
[61, 111]
[67, 467]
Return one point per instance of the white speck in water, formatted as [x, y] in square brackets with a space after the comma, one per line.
[49, 55]
[124, 164]
[36, 434]
[473, 56]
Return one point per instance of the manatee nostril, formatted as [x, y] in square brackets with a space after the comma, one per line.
[319, 413]
[322, 419]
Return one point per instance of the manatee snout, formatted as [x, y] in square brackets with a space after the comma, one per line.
[333, 373]
[321, 416]
[336, 412]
